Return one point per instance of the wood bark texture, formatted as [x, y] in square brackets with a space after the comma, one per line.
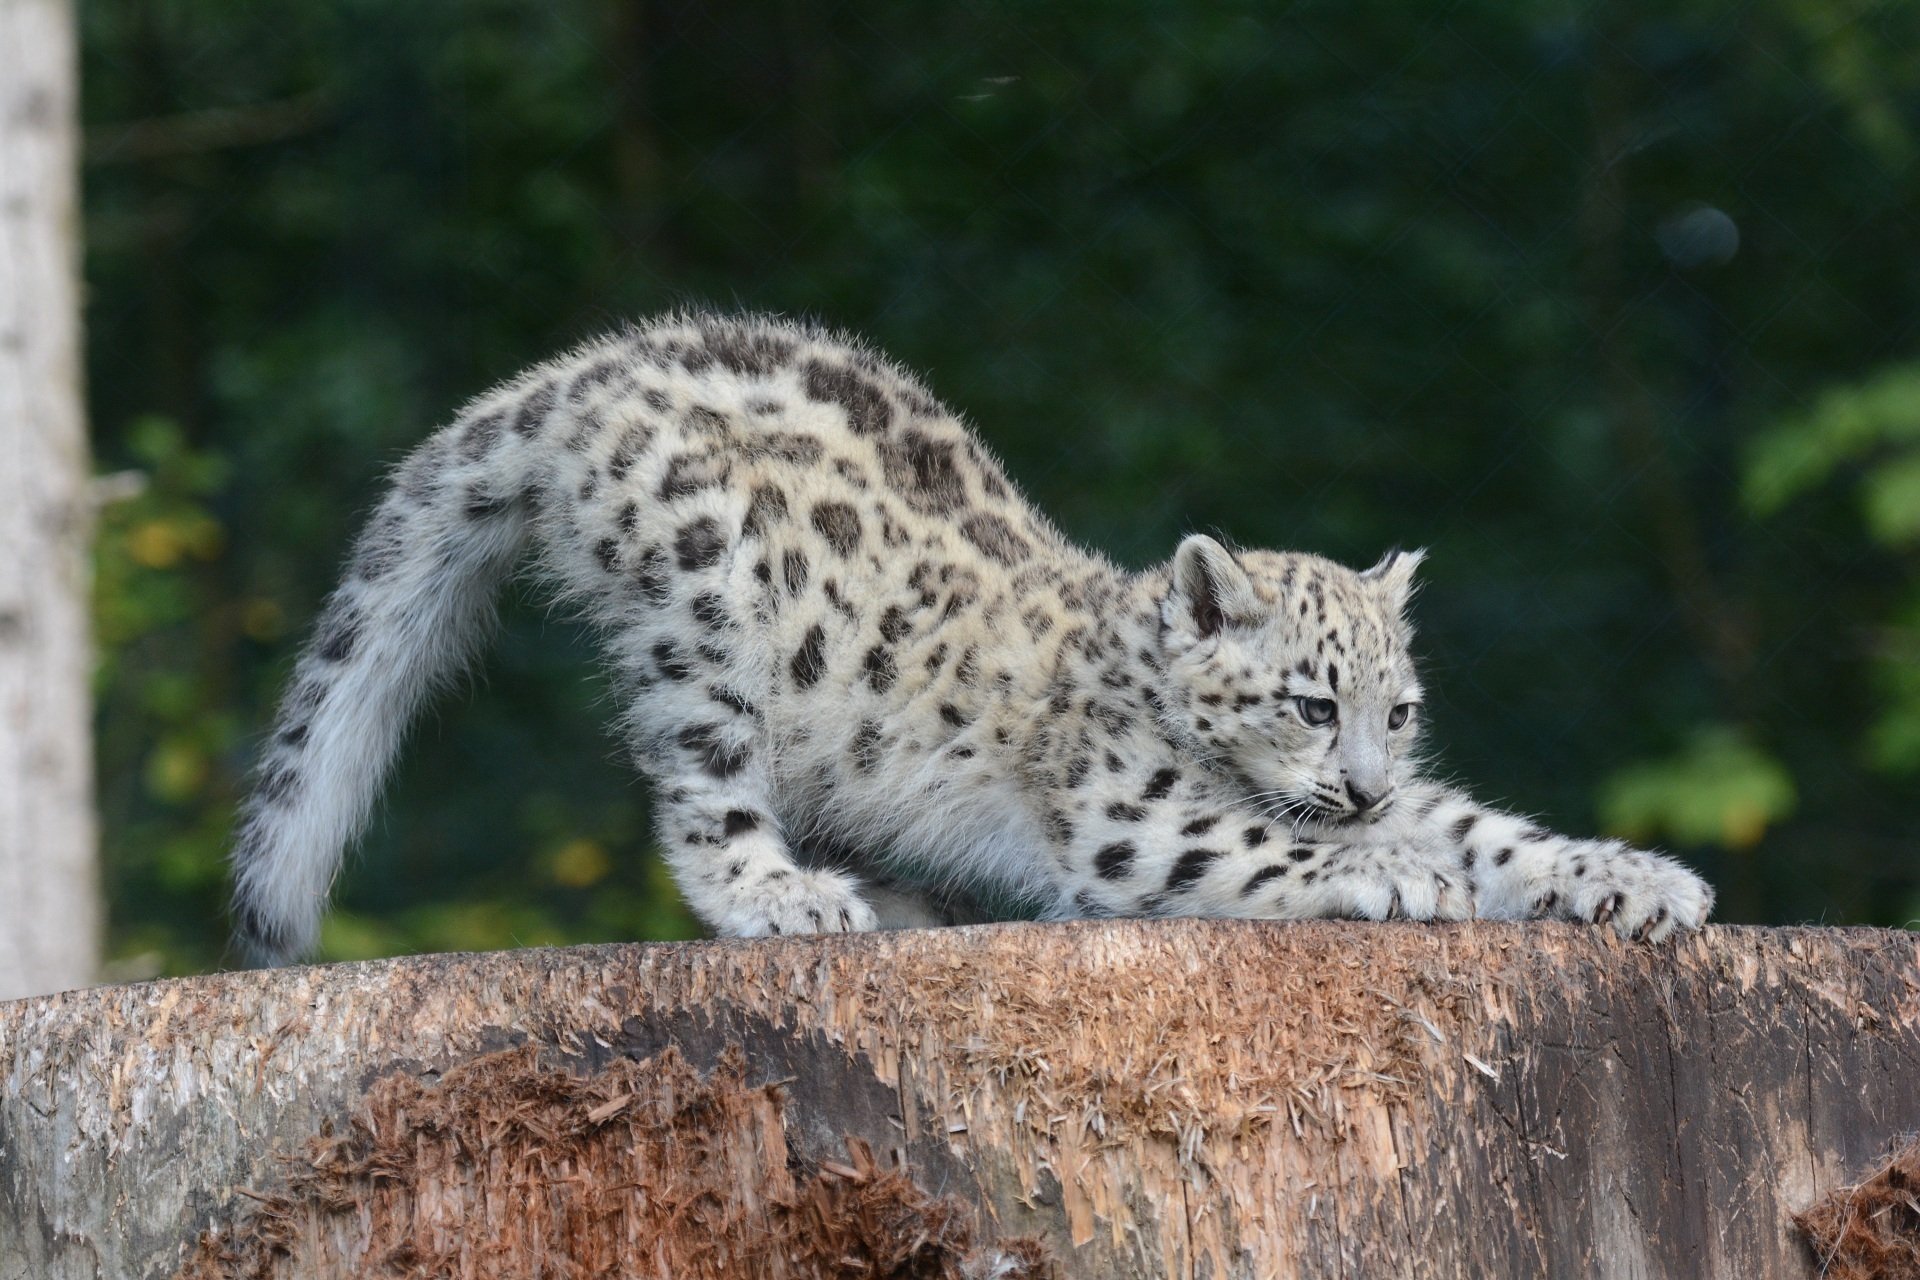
[1147, 1098]
[48, 912]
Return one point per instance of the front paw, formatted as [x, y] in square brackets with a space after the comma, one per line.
[1644, 896]
[788, 902]
[1406, 889]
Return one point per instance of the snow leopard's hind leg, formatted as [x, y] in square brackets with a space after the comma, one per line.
[705, 748]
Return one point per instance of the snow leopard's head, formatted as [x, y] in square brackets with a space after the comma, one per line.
[1293, 673]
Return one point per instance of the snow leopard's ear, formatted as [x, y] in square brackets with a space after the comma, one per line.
[1392, 577]
[1210, 589]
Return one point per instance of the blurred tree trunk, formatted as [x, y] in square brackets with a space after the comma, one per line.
[48, 896]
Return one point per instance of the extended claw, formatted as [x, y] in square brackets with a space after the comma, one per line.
[1653, 927]
[1605, 911]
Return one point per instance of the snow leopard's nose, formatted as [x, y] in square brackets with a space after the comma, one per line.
[1362, 800]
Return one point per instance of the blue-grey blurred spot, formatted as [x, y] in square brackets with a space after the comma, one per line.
[1699, 236]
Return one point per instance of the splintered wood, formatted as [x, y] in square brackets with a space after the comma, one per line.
[1870, 1230]
[516, 1165]
[1148, 1098]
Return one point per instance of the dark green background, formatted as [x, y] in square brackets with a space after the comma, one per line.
[1612, 307]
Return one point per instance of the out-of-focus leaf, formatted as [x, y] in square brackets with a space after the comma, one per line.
[1719, 789]
[579, 863]
[1844, 425]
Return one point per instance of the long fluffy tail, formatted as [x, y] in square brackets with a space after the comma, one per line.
[417, 600]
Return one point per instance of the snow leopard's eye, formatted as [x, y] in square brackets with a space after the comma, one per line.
[1315, 711]
[1398, 717]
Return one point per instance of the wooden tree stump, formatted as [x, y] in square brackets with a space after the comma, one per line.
[1146, 1098]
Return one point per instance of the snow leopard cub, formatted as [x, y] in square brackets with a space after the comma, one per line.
[834, 625]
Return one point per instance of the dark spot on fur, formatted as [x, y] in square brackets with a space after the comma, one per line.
[893, 624]
[995, 538]
[841, 605]
[745, 351]
[839, 524]
[650, 575]
[788, 446]
[1121, 811]
[1301, 853]
[718, 758]
[1462, 827]
[1114, 861]
[633, 442]
[766, 505]
[533, 411]
[607, 552]
[687, 474]
[1160, 784]
[880, 668]
[810, 660]
[1261, 877]
[739, 822]
[277, 783]
[341, 633]
[1503, 857]
[923, 471]
[954, 716]
[728, 698]
[672, 666]
[793, 569]
[481, 435]
[710, 611]
[1199, 826]
[294, 735]
[629, 517]
[597, 375]
[1189, 867]
[868, 413]
[699, 544]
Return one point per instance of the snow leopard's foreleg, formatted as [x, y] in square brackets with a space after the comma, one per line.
[1520, 870]
[1156, 845]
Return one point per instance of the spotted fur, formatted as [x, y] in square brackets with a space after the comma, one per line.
[834, 624]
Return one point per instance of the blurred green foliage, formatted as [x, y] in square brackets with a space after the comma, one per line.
[1613, 306]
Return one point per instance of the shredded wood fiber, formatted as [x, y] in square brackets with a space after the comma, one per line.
[1167, 1047]
[514, 1166]
[1871, 1230]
